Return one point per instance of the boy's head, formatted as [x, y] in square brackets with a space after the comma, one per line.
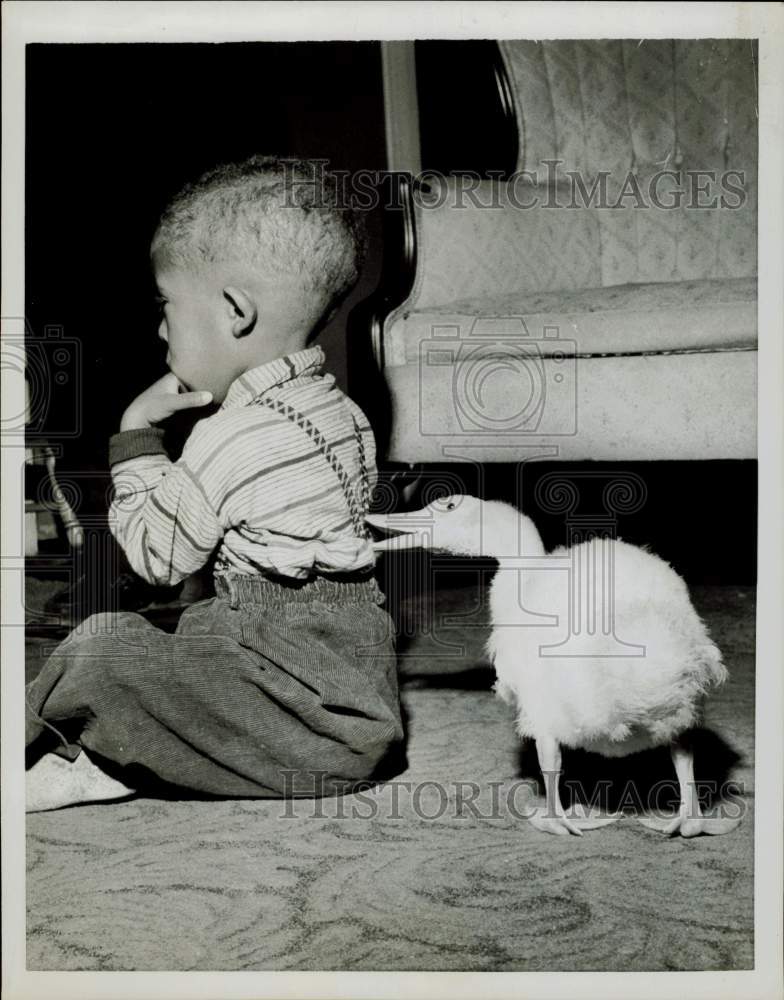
[251, 260]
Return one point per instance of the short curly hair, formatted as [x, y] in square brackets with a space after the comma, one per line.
[276, 215]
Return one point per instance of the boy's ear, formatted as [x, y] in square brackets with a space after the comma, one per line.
[242, 310]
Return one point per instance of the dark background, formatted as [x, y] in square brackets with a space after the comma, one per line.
[113, 131]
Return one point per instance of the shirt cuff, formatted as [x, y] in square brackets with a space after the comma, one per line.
[133, 444]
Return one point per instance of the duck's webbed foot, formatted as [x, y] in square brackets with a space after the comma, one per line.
[689, 820]
[552, 818]
[573, 822]
[686, 825]
[559, 825]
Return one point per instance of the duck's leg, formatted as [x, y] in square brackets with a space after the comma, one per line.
[690, 821]
[553, 818]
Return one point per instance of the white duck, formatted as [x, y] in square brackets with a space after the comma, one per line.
[597, 646]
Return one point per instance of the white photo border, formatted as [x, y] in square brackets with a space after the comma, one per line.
[26, 21]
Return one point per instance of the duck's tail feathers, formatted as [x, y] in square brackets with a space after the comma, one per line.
[711, 666]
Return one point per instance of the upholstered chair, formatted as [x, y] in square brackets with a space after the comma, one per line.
[600, 302]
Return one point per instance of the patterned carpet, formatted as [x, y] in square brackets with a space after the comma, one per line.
[412, 875]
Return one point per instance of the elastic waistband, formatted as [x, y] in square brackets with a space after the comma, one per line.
[352, 588]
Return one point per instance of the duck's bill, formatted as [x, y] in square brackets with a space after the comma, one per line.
[406, 531]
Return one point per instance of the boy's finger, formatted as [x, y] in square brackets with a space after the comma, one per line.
[186, 400]
[168, 383]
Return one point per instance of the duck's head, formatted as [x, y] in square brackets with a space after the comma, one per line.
[461, 525]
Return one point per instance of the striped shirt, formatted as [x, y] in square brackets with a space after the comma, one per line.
[255, 481]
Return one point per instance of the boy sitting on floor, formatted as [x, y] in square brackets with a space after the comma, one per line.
[289, 672]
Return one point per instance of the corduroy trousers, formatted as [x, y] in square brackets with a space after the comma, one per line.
[267, 690]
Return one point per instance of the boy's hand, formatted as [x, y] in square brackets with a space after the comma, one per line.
[159, 402]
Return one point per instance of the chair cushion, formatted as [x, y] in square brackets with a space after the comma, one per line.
[660, 317]
[692, 406]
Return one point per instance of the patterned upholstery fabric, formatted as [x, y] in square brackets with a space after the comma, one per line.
[613, 106]
[625, 246]
[607, 105]
[465, 249]
[623, 106]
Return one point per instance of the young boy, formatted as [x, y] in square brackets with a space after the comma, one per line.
[284, 683]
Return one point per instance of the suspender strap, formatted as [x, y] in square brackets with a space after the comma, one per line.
[357, 505]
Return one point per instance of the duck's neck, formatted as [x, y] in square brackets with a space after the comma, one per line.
[511, 537]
